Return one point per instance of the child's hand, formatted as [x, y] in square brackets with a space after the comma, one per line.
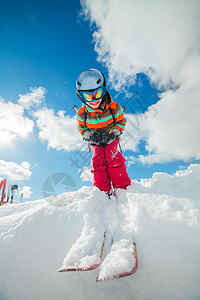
[94, 138]
[108, 138]
[100, 139]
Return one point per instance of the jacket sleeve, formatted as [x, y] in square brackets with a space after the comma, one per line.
[80, 121]
[120, 120]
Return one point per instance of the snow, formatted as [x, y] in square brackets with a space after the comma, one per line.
[161, 214]
[118, 261]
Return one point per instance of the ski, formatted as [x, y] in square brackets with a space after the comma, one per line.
[124, 274]
[3, 186]
[9, 189]
[86, 268]
[73, 268]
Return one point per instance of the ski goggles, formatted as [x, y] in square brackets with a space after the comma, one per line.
[92, 95]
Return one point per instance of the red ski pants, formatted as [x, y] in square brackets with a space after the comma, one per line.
[108, 166]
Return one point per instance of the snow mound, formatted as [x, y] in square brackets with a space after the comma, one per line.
[183, 184]
[36, 238]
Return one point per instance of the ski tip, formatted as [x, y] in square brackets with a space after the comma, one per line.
[60, 269]
[99, 279]
[72, 268]
[67, 269]
[105, 279]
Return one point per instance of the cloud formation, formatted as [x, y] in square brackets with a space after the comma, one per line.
[174, 133]
[85, 174]
[13, 122]
[15, 172]
[156, 38]
[58, 130]
[26, 191]
[35, 97]
[160, 39]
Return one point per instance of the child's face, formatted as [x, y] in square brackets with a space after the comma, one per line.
[95, 104]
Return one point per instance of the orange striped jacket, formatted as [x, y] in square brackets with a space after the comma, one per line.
[101, 120]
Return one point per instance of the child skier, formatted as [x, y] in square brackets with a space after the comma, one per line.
[100, 121]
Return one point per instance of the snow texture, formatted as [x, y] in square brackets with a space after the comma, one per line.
[36, 238]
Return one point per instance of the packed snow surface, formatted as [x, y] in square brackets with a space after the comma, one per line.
[36, 238]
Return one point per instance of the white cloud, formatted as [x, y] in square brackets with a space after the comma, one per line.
[58, 130]
[15, 172]
[86, 175]
[174, 133]
[134, 131]
[170, 128]
[25, 165]
[131, 160]
[26, 191]
[155, 37]
[34, 98]
[160, 39]
[13, 122]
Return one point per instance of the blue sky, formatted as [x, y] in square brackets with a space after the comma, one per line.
[45, 45]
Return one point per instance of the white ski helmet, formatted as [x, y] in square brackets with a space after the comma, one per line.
[90, 85]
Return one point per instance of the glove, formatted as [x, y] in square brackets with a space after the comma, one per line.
[108, 138]
[94, 138]
[100, 139]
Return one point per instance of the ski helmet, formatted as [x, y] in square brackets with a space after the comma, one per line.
[90, 85]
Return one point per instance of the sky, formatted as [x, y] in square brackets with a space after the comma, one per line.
[149, 54]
